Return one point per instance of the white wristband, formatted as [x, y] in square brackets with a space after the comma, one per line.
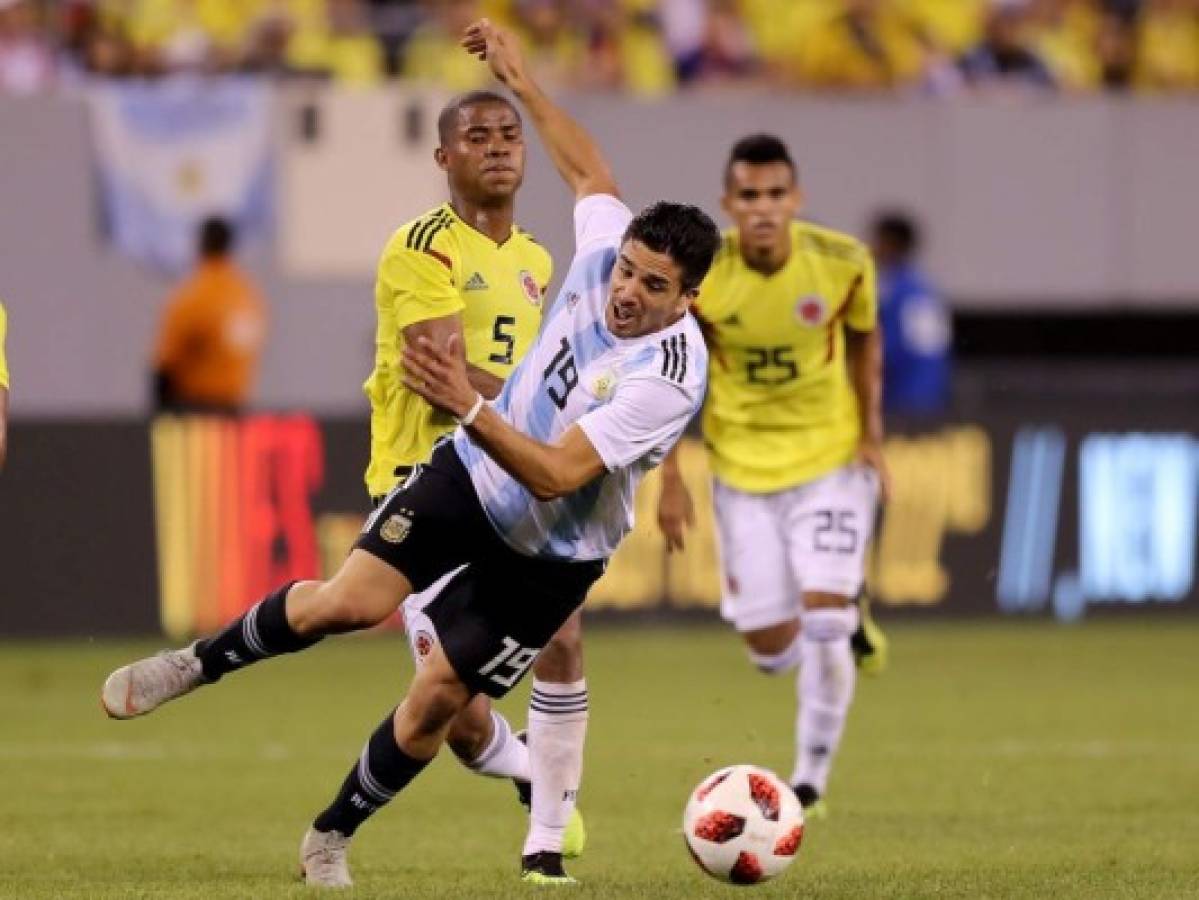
[473, 414]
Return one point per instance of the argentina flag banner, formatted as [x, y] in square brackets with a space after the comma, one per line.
[170, 153]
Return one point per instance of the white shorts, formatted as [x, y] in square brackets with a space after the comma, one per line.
[419, 628]
[775, 547]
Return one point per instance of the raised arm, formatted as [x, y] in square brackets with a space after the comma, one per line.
[575, 153]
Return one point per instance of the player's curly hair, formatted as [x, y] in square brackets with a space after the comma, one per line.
[683, 232]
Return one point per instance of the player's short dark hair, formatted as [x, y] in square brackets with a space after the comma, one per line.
[759, 150]
[900, 229]
[217, 236]
[685, 233]
[448, 117]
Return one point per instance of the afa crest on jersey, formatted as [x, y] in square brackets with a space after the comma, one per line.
[396, 528]
[603, 384]
[529, 285]
[811, 310]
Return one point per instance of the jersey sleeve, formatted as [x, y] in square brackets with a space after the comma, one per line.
[862, 311]
[420, 285]
[600, 219]
[646, 414]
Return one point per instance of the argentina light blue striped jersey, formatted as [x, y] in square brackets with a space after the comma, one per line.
[632, 398]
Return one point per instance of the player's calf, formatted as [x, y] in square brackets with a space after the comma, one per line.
[826, 685]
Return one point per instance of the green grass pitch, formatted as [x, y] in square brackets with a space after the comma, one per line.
[992, 760]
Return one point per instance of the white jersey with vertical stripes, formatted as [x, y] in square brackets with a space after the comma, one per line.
[632, 397]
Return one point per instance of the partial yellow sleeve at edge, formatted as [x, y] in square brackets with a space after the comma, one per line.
[3, 358]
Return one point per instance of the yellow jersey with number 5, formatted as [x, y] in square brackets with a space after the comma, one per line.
[781, 410]
[437, 265]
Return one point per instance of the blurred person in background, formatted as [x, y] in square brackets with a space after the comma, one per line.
[329, 37]
[183, 35]
[1065, 35]
[1167, 46]
[3, 389]
[1005, 59]
[779, 30]
[26, 56]
[212, 332]
[556, 46]
[432, 55]
[626, 49]
[953, 26]
[917, 328]
[867, 45]
[1116, 47]
[794, 429]
[711, 41]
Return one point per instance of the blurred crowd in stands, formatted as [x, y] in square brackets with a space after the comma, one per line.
[642, 47]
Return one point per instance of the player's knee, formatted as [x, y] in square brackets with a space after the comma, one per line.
[349, 607]
[561, 661]
[780, 662]
[774, 649]
[431, 709]
[825, 624]
[825, 600]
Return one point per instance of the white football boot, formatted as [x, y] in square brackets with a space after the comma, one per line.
[323, 859]
[145, 685]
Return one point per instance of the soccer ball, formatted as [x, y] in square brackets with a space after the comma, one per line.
[743, 825]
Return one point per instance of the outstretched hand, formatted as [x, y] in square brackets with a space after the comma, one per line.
[676, 513]
[499, 48]
[438, 374]
[871, 456]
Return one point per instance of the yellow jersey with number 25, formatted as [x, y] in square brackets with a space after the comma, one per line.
[435, 266]
[781, 410]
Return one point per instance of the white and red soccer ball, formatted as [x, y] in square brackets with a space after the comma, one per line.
[743, 825]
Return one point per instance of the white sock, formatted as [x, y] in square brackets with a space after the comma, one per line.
[777, 663]
[504, 756]
[557, 729]
[825, 687]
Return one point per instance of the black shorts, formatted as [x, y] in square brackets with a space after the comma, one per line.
[494, 616]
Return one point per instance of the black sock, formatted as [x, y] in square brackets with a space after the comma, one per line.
[262, 632]
[381, 772]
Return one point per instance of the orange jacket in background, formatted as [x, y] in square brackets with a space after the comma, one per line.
[212, 336]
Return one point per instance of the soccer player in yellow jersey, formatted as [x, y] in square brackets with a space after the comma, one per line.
[466, 268]
[793, 427]
[3, 388]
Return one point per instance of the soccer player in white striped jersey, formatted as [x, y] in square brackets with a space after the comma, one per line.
[524, 505]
